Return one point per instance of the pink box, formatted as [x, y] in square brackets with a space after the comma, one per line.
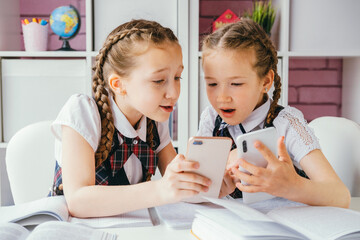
[35, 36]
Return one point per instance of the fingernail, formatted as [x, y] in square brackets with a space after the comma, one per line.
[196, 165]
[257, 144]
[206, 189]
[208, 182]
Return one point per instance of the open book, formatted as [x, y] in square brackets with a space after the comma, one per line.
[181, 215]
[239, 221]
[55, 208]
[53, 230]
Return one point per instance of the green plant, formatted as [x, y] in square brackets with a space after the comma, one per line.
[263, 13]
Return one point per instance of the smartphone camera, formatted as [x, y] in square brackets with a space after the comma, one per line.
[197, 142]
[244, 145]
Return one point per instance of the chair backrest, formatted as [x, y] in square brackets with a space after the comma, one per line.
[340, 142]
[30, 162]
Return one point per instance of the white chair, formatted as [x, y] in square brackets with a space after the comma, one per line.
[340, 142]
[30, 162]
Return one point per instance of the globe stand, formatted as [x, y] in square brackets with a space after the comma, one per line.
[65, 46]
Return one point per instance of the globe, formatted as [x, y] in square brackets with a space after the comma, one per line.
[65, 22]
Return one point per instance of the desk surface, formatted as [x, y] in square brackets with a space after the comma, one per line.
[161, 232]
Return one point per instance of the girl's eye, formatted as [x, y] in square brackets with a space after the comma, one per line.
[159, 81]
[212, 84]
[236, 84]
[178, 78]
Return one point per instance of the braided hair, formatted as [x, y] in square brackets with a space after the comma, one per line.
[118, 55]
[247, 34]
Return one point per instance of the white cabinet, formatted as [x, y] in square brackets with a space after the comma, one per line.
[36, 90]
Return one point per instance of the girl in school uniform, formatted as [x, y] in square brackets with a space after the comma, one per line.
[108, 146]
[240, 66]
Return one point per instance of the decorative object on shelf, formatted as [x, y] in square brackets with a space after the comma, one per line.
[263, 13]
[35, 34]
[227, 17]
[65, 22]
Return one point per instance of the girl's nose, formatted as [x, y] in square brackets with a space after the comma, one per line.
[173, 91]
[223, 96]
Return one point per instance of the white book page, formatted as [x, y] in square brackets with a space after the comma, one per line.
[52, 206]
[137, 218]
[181, 215]
[55, 230]
[225, 224]
[275, 203]
[242, 210]
[13, 231]
[319, 222]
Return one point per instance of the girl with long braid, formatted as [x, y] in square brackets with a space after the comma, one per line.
[240, 66]
[109, 145]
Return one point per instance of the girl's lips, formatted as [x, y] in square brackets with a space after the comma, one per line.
[228, 112]
[167, 108]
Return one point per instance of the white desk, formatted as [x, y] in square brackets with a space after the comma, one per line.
[161, 232]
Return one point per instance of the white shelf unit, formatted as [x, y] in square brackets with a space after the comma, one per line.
[9, 50]
[336, 11]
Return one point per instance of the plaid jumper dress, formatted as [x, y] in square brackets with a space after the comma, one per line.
[222, 130]
[111, 171]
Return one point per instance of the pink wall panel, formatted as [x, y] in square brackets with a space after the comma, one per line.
[212, 9]
[312, 111]
[42, 9]
[216, 8]
[300, 77]
[315, 86]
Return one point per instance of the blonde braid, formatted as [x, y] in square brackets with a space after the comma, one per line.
[149, 133]
[101, 97]
[120, 57]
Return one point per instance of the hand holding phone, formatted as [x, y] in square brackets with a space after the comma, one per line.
[247, 151]
[212, 154]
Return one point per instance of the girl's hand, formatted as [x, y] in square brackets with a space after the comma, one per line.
[229, 180]
[178, 183]
[228, 184]
[278, 178]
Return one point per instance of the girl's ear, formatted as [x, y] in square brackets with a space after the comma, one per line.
[268, 81]
[116, 84]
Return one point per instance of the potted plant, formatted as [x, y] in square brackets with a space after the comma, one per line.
[263, 13]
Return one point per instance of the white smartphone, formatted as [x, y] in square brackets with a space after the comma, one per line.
[212, 154]
[246, 150]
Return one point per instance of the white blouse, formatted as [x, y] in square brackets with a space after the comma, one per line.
[81, 113]
[290, 123]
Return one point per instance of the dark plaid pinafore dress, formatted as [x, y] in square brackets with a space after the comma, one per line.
[111, 171]
[222, 130]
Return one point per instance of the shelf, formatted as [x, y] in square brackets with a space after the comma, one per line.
[45, 54]
[279, 54]
[332, 53]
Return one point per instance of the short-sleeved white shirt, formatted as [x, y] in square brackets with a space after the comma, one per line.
[290, 123]
[81, 113]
